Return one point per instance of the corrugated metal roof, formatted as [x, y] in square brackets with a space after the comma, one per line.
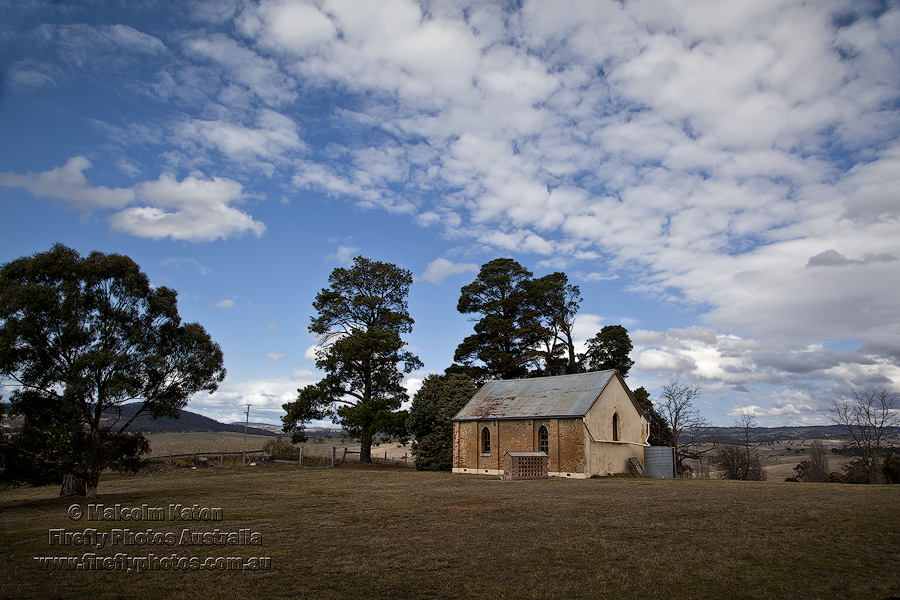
[560, 396]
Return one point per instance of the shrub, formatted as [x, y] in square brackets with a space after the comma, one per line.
[856, 471]
[281, 449]
[735, 463]
[890, 468]
[802, 471]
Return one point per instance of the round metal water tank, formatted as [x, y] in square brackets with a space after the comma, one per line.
[659, 461]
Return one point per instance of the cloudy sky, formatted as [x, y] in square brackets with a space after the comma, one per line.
[721, 178]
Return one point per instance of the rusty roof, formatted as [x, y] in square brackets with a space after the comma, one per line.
[540, 397]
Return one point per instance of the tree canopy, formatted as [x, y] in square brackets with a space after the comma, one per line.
[526, 327]
[609, 349]
[554, 303]
[80, 337]
[436, 402]
[506, 332]
[660, 433]
[361, 317]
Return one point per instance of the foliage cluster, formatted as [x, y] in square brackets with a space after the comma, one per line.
[525, 327]
[660, 431]
[890, 468]
[360, 319]
[436, 402]
[81, 338]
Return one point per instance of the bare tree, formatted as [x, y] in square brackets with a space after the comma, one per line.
[676, 405]
[818, 463]
[865, 417]
[742, 461]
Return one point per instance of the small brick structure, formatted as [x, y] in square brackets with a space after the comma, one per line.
[518, 465]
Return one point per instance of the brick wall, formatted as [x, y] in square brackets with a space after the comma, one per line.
[566, 443]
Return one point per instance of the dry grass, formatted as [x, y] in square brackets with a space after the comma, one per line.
[201, 442]
[351, 533]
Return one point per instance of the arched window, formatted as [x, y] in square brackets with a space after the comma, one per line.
[543, 440]
[485, 441]
[616, 427]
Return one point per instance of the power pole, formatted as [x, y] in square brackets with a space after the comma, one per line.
[247, 424]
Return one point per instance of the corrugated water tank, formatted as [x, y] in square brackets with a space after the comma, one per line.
[659, 461]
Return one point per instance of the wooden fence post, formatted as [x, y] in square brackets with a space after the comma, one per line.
[301, 456]
[333, 455]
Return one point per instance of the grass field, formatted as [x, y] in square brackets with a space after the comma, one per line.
[210, 443]
[356, 533]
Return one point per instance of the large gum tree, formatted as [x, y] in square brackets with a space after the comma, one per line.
[508, 330]
[80, 337]
[361, 317]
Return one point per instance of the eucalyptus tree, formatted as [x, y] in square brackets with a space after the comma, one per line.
[359, 322]
[79, 338]
[554, 303]
[609, 349]
[507, 331]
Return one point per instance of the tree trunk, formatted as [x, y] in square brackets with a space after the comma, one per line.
[91, 483]
[365, 448]
[570, 346]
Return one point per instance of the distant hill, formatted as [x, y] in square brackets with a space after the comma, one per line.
[311, 432]
[187, 421]
[772, 435]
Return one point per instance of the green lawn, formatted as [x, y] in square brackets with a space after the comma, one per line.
[352, 533]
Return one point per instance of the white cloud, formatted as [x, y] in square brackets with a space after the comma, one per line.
[69, 183]
[780, 379]
[274, 356]
[692, 144]
[273, 136]
[178, 262]
[261, 76]
[225, 303]
[265, 397]
[194, 209]
[440, 269]
[310, 354]
[344, 254]
[288, 26]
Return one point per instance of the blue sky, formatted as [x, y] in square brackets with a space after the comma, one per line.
[723, 179]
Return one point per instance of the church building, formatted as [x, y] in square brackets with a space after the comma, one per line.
[587, 424]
